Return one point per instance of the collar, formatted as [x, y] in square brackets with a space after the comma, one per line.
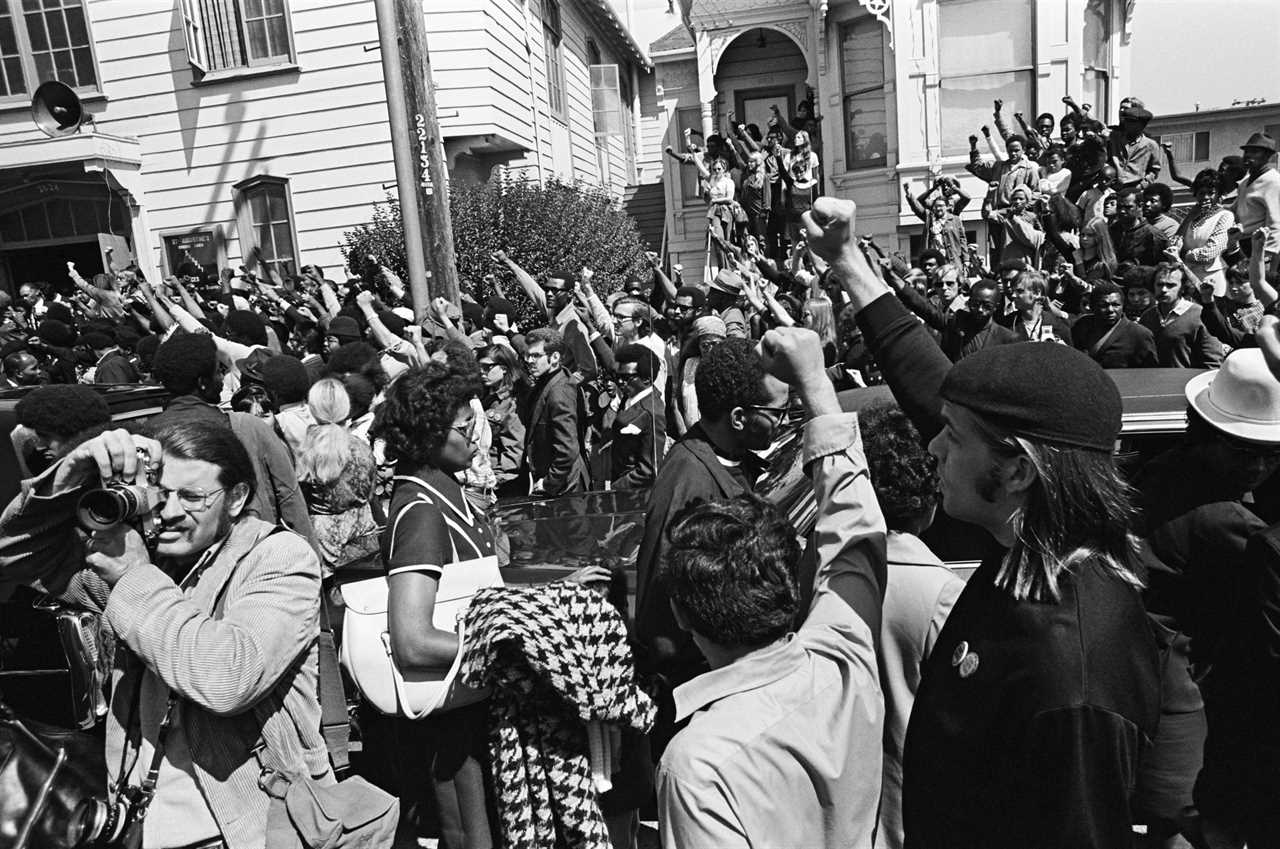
[638, 397]
[1181, 306]
[909, 550]
[750, 672]
[438, 484]
[104, 357]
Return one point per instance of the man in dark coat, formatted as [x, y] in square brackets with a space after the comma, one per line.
[639, 431]
[965, 331]
[112, 365]
[1112, 340]
[554, 420]
[741, 408]
[1204, 587]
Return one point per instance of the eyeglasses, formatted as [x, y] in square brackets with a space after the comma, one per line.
[190, 500]
[776, 415]
[464, 430]
[534, 356]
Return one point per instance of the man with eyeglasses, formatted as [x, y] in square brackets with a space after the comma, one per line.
[215, 618]
[186, 365]
[742, 407]
[965, 331]
[638, 434]
[633, 324]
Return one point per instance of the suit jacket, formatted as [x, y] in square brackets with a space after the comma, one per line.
[691, 473]
[554, 427]
[638, 439]
[115, 368]
[1130, 346]
[237, 645]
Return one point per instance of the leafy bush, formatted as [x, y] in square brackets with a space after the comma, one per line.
[545, 228]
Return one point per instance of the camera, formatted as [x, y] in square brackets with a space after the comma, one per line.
[116, 504]
[100, 824]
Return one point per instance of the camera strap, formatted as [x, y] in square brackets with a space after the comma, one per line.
[148, 786]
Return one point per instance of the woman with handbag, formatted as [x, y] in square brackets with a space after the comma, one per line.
[433, 534]
[425, 423]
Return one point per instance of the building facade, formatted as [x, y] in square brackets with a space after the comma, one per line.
[224, 126]
[1200, 139]
[899, 86]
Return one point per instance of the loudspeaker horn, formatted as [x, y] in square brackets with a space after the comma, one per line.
[56, 109]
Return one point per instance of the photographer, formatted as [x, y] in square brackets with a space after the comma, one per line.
[217, 627]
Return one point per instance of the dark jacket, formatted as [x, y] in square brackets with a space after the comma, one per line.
[1049, 323]
[115, 368]
[276, 497]
[638, 440]
[1055, 716]
[958, 339]
[690, 474]
[1182, 341]
[1140, 244]
[1130, 346]
[554, 420]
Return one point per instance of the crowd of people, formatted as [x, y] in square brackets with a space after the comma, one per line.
[1107, 677]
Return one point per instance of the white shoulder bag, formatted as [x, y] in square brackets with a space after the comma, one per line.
[366, 642]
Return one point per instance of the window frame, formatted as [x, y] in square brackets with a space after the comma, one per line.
[553, 58]
[685, 197]
[1104, 73]
[194, 25]
[850, 164]
[1031, 108]
[246, 231]
[26, 57]
[1194, 136]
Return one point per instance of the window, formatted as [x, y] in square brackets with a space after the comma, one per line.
[42, 40]
[1097, 56]
[265, 217]
[1188, 147]
[606, 111]
[227, 34]
[979, 63]
[551, 37]
[862, 78]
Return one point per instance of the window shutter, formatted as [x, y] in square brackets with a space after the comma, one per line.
[606, 102]
[193, 25]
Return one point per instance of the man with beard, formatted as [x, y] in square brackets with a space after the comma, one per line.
[741, 407]
[966, 331]
[216, 628]
[1112, 340]
[21, 368]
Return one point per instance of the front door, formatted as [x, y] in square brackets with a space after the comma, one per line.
[752, 106]
[48, 264]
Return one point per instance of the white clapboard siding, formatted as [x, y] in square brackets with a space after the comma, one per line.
[323, 125]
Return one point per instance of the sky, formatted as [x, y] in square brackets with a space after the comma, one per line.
[1183, 51]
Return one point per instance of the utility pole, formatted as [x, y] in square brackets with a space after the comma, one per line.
[421, 179]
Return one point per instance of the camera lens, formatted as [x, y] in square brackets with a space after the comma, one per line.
[95, 822]
[101, 509]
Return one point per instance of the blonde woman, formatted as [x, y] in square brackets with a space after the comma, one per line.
[819, 316]
[337, 472]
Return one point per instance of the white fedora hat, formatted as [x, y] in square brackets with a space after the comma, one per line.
[1241, 399]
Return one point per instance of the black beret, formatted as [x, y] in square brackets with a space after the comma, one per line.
[1039, 390]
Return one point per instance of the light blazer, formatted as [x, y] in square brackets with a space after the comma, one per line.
[251, 667]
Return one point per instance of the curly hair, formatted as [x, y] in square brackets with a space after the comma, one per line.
[732, 375]
[63, 410]
[182, 360]
[357, 358]
[903, 474]
[732, 570]
[419, 409]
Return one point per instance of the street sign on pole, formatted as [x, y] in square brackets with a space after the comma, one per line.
[421, 178]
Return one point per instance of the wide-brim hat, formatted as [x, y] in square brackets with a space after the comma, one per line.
[1241, 399]
[1260, 140]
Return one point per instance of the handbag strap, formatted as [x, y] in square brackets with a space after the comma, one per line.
[335, 725]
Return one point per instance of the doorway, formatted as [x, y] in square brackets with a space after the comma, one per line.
[752, 106]
[48, 264]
